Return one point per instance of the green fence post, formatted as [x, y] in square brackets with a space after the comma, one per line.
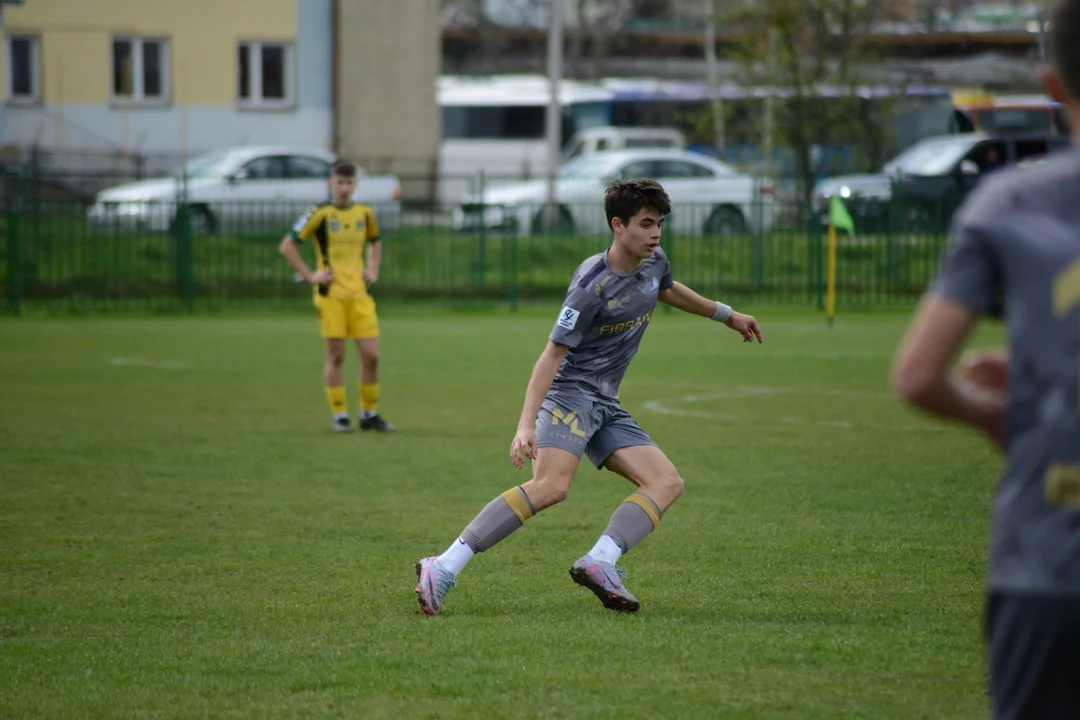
[14, 248]
[816, 266]
[515, 290]
[481, 241]
[185, 279]
[758, 236]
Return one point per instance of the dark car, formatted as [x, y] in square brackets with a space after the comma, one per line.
[922, 187]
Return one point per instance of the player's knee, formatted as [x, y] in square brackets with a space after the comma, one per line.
[370, 361]
[550, 494]
[548, 488]
[335, 357]
[674, 484]
[669, 484]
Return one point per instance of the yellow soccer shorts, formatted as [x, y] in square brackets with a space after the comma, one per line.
[354, 318]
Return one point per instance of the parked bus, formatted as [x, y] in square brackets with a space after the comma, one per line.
[498, 125]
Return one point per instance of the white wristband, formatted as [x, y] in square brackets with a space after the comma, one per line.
[723, 312]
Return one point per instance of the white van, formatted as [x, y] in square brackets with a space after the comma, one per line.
[496, 125]
[608, 137]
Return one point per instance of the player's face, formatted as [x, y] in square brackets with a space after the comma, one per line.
[342, 188]
[641, 235]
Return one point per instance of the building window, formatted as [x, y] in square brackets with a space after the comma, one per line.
[265, 74]
[140, 70]
[23, 69]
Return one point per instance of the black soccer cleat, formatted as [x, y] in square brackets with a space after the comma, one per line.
[375, 422]
[342, 425]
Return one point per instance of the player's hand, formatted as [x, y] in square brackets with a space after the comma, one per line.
[746, 326]
[370, 276]
[523, 446]
[322, 277]
[988, 369]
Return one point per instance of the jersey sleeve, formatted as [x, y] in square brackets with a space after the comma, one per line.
[971, 273]
[666, 281]
[577, 313]
[304, 229]
[372, 226]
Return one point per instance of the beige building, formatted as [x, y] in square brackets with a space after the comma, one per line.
[96, 86]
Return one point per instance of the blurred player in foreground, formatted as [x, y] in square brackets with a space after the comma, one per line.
[1015, 248]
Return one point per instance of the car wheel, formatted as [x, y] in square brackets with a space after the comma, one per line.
[725, 220]
[564, 224]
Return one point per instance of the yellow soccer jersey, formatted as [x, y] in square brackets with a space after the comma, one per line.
[340, 236]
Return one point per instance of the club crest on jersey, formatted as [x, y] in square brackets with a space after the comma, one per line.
[335, 226]
[567, 318]
[654, 284]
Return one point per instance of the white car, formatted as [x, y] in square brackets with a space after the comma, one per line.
[241, 188]
[707, 196]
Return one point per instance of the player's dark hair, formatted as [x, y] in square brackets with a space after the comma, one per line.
[1064, 42]
[343, 168]
[623, 199]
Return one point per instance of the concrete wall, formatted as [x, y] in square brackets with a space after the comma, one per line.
[389, 55]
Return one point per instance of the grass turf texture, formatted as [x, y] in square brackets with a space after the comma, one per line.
[183, 535]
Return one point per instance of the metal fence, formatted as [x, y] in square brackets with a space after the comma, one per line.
[57, 256]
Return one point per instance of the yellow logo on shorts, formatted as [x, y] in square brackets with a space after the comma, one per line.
[570, 420]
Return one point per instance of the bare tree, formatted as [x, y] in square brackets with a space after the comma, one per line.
[595, 23]
[822, 49]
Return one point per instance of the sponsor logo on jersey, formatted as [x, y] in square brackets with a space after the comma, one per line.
[567, 318]
[622, 327]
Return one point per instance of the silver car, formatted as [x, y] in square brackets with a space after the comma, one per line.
[244, 188]
[708, 196]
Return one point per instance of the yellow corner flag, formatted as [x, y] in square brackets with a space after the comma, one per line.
[839, 217]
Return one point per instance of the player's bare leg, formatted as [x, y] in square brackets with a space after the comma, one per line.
[369, 386]
[335, 386]
[553, 471]
[659, 485]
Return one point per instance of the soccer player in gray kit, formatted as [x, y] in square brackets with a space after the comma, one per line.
[572, 403]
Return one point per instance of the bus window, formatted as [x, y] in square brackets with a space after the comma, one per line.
[1002, 119]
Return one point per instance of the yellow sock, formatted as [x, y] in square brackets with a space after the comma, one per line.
[369, 397]
[336, 397]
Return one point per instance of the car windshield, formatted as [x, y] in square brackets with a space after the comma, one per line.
[584, 167]
[930, 157]
[211, 166]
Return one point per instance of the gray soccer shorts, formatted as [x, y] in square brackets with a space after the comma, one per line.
[1034, 653]
[579, 422]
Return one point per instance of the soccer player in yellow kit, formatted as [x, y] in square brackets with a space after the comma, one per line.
[348, 253]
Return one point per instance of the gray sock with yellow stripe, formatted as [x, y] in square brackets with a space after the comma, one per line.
[635, 518]
[501, 517]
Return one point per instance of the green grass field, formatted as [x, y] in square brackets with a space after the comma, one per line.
[183, 536]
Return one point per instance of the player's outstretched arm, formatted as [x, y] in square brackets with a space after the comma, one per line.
[683, 298]
[543, 374]
[291, 253]
[921, 376]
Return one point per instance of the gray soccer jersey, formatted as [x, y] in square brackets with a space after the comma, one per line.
[604, 318]
[1016, 248]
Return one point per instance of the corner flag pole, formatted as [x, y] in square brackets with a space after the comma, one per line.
[839, 217]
